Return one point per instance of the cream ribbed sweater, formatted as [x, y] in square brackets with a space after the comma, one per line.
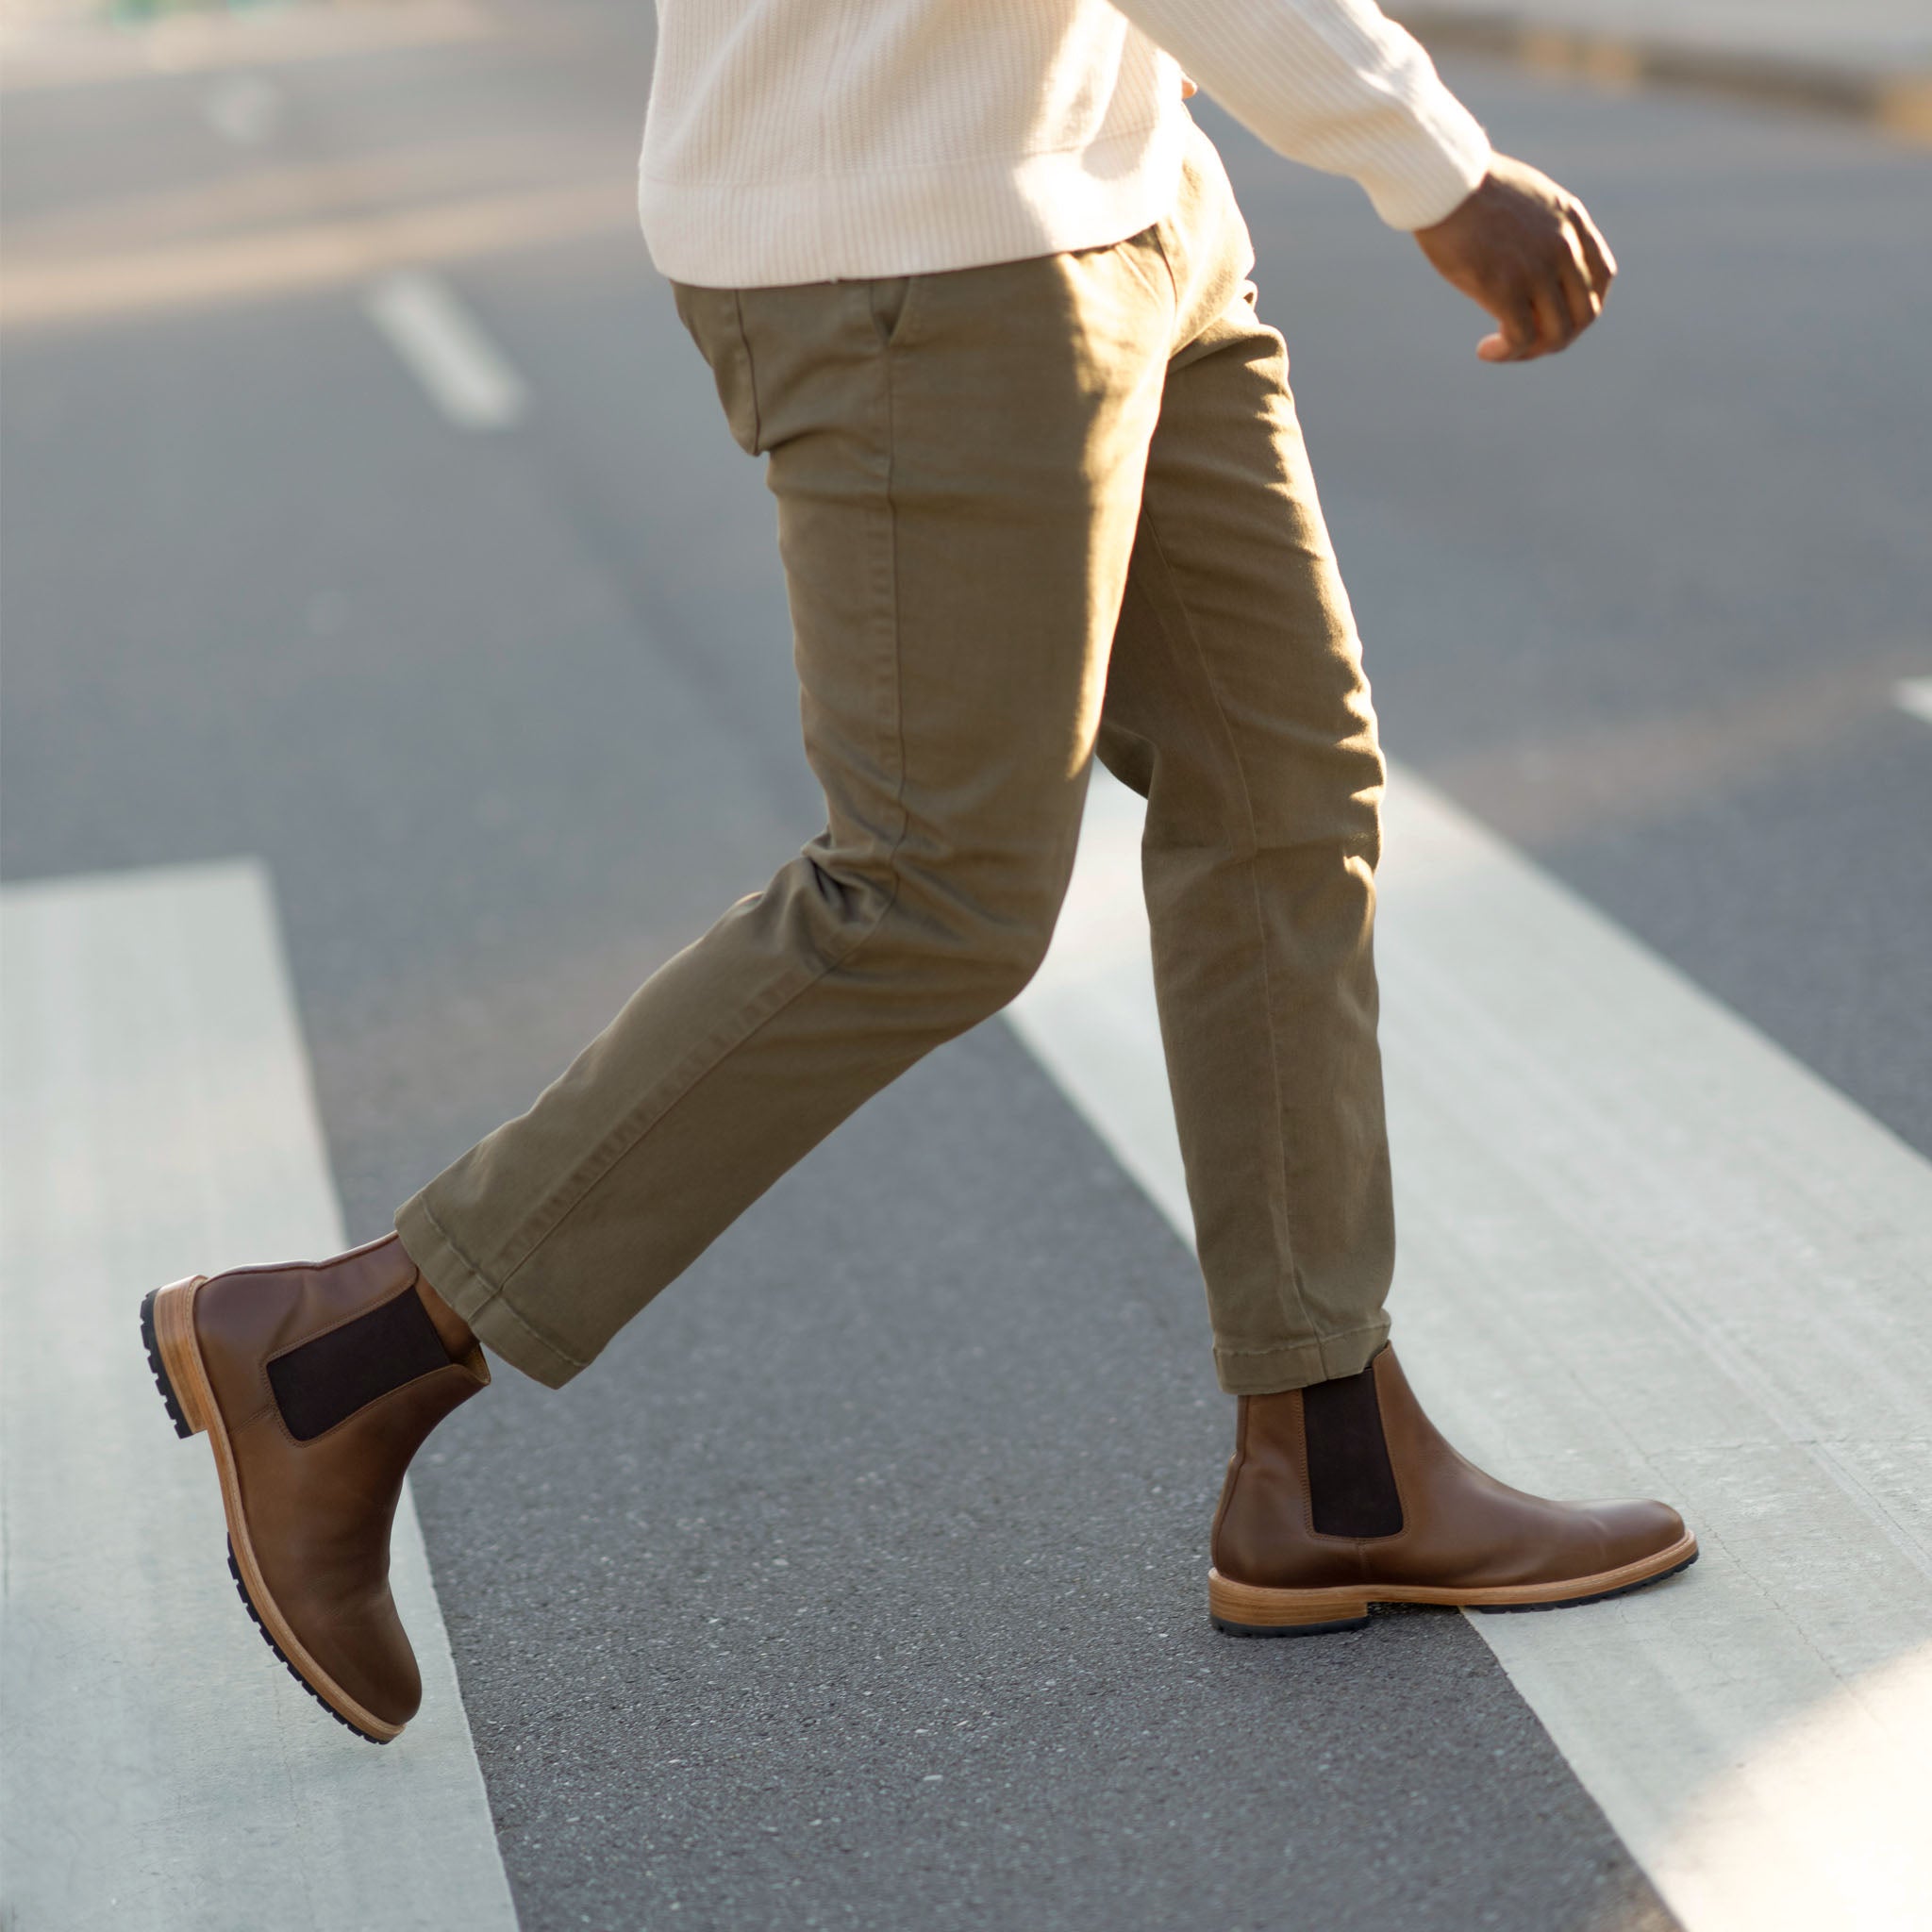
[806, 140]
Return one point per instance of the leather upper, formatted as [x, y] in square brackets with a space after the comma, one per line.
[1459, 1527]
[319, 1512]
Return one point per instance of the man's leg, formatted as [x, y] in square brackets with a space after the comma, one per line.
[956, 461]
[1236, 703]
[957, 464]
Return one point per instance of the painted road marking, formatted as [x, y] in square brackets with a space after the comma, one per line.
[245, 108]
[1914, 694]
[162, 1772]
[1644, 1252]
[446, 350]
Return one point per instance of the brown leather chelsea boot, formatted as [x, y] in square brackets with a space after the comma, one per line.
[1343, 1494]
[316, 1385]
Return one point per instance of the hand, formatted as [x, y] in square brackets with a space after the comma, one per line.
[1528, 252]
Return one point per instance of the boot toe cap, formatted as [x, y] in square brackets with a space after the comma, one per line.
[370, 1659]
[1635, 1531]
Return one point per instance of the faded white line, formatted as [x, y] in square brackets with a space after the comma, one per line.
[1643, 1252]
[162, 1773]
[245, 108]
[446, 349]
[1914, 694]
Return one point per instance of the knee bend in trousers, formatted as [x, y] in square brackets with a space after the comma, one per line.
[966, 950]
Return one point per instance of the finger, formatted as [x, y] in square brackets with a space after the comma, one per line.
[1597, 257]
[1520, 330]
[1580, 299]
[1551, 308]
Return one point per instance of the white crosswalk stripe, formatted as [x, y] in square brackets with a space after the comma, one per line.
[162, 1773]
[1643, 1252]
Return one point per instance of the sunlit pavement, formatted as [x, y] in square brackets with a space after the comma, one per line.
[368, 518]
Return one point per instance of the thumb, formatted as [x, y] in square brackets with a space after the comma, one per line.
[1493, 348]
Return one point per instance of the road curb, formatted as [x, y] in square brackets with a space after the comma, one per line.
[1896, 102]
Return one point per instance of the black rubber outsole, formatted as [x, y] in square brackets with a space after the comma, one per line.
[1229, 1629]
[180, 1419]
[268, 1638]
[176, 1413]
[1566, 1603]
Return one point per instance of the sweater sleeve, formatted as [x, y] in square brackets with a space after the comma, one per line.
[1333, 84]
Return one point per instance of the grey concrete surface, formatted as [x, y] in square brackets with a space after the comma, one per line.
[931, 1434]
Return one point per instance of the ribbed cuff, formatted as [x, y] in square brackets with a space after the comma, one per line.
[495, 1323]
[1416, 183]
[1270, 1370]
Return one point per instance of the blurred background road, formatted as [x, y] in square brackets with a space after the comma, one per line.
[366, 510]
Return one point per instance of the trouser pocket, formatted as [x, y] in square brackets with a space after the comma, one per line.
[716, 322]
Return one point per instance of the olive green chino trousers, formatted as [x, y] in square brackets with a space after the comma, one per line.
[1026, 512]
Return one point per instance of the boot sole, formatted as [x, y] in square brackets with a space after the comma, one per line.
[1248, 1609]
[167, 1329]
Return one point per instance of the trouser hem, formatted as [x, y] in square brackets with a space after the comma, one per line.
[1272, 1371]
[484, 1305]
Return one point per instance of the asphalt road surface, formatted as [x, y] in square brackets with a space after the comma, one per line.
[859, 1585]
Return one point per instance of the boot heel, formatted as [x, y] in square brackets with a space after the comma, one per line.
[1247, 1609]
[167, 1326]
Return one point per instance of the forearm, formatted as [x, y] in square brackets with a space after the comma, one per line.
[1333, 84]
